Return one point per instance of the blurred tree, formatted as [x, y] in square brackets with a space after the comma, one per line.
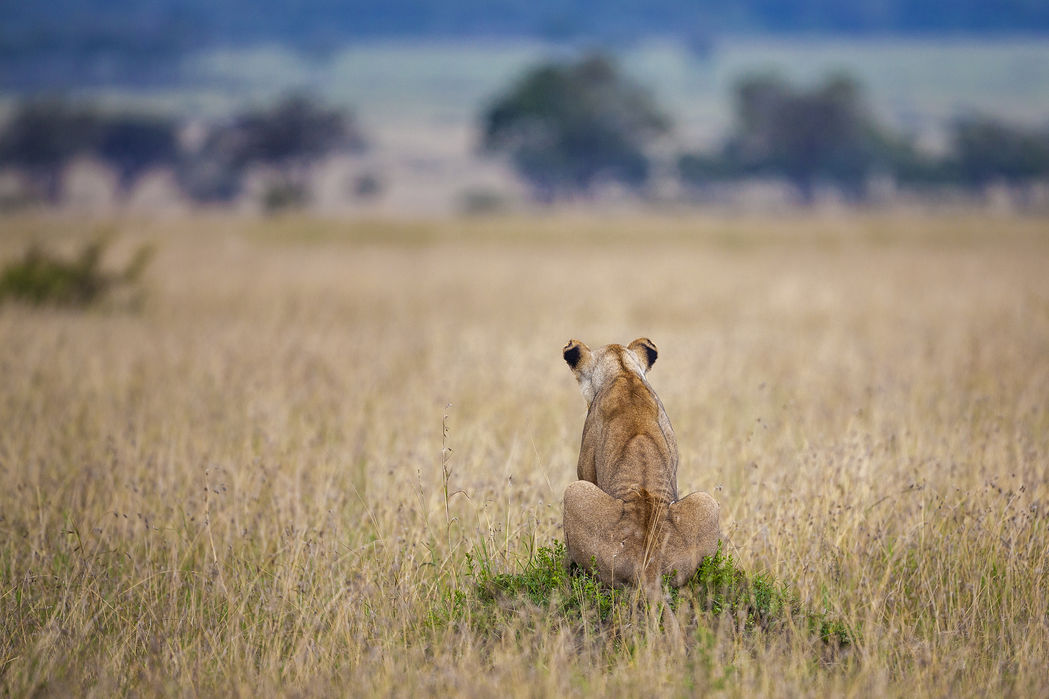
[567, 126]
[827, 133]
[42, 136]
[134, 143]
[294, 131]
[986, 149]
[289, 136]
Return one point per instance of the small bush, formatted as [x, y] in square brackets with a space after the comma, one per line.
[480, 201]
[282, 196]
[367, 186]
[41, 277]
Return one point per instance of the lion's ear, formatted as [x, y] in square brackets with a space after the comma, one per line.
[645, 350]
[576, 354]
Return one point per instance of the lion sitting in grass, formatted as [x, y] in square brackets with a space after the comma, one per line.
[623, 517]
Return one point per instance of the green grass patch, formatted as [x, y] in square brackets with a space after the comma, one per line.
[719, 590]
[720, 587]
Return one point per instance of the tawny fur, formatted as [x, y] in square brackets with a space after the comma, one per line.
[623, 517]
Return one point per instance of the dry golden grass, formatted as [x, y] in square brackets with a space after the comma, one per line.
[238, 488]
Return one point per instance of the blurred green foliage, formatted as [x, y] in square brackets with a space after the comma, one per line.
[568, 126]
[43, 278]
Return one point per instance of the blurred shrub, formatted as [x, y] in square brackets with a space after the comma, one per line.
[479, 201]
[699, 168]
[367, 186]
[42, 277]
[282, 194]
[15, 192]
[207, 178]
[566, 126]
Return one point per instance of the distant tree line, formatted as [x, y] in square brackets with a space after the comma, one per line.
[44, 136]
[567, 126]
[828, 135]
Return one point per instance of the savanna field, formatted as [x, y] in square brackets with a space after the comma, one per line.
[327, 458]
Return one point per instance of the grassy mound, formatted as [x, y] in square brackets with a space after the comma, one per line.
[719, 590]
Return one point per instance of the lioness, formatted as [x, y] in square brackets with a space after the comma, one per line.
[623, 514]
